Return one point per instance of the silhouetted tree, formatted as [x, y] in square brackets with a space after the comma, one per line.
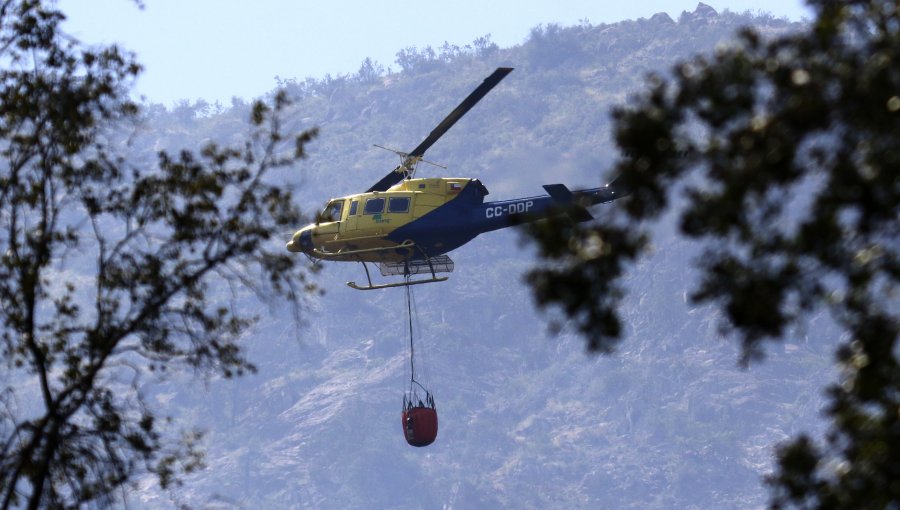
[552, 45]
[484, 47]
[780, 156]
[413, 61]
[369, 71]
[108, 272]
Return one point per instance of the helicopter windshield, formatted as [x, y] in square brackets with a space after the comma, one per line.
[332, 211]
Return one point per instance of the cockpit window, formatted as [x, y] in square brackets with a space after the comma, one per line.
[353, 205]
[332, 211]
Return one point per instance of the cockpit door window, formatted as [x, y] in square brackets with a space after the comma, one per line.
[332, 211]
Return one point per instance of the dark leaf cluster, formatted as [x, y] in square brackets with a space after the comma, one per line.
[109, 272]
[780, 157]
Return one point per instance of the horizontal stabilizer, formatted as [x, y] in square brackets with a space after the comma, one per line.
[561, 194]
[579, 213]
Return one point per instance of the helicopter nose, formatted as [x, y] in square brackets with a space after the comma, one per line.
[301, 242]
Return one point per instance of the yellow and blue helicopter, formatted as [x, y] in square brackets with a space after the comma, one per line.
[407, 225]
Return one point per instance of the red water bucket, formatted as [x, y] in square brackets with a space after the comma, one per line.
[420, 425]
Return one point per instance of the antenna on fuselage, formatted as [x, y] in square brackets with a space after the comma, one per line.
[408, 163]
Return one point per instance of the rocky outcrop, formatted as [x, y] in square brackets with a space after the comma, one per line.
[702, 14]
[662, 18]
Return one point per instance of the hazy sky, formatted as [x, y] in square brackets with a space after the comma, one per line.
[217, 49]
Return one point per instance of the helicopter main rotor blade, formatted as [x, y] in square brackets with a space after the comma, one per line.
[401, 171]
[466, 105]
[396, 175]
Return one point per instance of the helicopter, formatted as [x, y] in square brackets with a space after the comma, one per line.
[407, 225]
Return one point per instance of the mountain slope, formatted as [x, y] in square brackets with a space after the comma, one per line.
[527, 419]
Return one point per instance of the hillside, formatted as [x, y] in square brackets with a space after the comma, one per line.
[527, 418]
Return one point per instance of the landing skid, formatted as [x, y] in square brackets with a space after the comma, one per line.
[433, 265]
[407, 283]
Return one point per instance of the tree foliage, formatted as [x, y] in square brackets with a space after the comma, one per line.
[781, 159]
[109, 272]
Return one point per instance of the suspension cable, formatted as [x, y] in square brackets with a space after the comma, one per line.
[412, 348]
[412, 310]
